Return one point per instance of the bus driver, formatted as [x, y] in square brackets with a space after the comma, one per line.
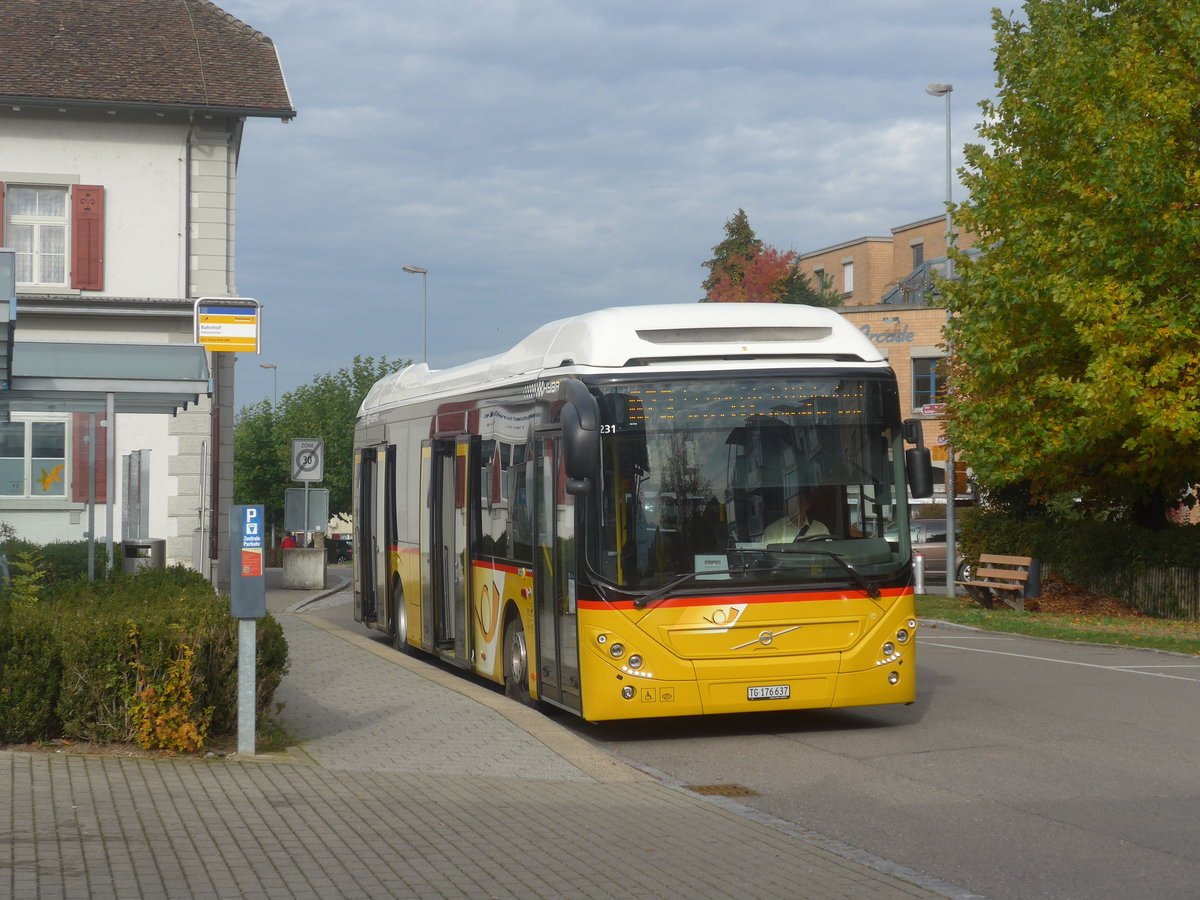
[795, 524]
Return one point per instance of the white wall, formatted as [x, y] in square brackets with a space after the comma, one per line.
[168, 235]
[140, 165]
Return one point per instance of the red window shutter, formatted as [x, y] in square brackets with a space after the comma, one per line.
[81, 426]
[87, 237]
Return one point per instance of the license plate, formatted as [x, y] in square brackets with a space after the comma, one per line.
[769, 692]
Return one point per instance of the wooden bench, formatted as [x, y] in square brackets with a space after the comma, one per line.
[1011, 579]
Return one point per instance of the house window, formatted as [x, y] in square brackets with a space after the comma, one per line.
[929, 380]
[918, 252]
[33, 459]
[37, 230]
[57, 232]
[819, 278]
[848, 278]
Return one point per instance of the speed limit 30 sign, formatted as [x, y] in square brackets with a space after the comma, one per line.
[308, 459]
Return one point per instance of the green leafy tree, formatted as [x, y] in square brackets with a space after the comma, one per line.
[324, 408]
[260, 460]
[730, 257]
[1077, 352]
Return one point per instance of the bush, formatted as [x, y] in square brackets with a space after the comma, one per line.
[61, 560]
[30, 676]
[1078, 547]
[149, 656]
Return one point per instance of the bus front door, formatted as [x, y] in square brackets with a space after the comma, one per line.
[554, 578]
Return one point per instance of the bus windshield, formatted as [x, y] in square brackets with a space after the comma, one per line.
[759, 480]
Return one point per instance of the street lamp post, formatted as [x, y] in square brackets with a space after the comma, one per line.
[424, 273]
[944, 90]
[275, 374]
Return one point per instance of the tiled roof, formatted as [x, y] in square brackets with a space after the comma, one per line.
[186, 53]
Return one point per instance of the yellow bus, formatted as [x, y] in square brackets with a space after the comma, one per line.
[649, 511]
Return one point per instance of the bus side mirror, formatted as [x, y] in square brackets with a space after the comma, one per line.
[580, 419]
[918, 464]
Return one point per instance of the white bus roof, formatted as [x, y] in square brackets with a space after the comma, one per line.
[610, 339]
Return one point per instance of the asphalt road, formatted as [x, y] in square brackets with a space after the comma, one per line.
[1027, 768]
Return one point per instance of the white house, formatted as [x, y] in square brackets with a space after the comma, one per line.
[120, 127]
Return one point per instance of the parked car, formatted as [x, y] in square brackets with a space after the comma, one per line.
[338, 550]
[928, 537]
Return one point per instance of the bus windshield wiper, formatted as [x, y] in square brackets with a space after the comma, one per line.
[869, 589]
[658, 593]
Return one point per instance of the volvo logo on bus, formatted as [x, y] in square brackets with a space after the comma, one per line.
[766, 638]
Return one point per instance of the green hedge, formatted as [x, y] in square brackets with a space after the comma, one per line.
[77, 657]
[1079, 548]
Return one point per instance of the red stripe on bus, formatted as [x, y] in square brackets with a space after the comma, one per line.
[501, 567]
[727, 599]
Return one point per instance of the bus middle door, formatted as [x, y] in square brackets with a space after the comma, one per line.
[449, 558]
[555, 577]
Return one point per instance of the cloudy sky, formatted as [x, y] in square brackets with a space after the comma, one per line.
[547, 157]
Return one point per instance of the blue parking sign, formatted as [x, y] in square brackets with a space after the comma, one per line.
[247, 589]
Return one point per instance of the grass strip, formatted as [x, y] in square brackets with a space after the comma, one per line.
[1122, 631]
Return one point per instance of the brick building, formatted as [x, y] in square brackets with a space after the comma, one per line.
[888, 288]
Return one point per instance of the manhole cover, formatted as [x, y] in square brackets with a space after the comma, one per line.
[721, 790]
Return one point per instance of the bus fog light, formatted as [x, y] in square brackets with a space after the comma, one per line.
[602, 639]
[628, 691]
[617, 650]
[889, 648]
[893, 678]
[635, 661]
[912, 623]
[902, 635]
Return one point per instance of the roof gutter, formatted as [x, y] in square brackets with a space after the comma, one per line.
[286, 114]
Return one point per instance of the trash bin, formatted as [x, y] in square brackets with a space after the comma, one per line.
[143, 554]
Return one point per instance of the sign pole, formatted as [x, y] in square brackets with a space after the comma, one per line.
[247, 680]
[247, 604]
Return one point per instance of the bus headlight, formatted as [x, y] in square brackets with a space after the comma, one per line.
[635, 661]
[893, 677]
[617, 650]
[902, 635]
[889, 648]
[628, 691]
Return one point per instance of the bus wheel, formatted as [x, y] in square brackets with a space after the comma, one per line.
[400, 622]
[516, 662]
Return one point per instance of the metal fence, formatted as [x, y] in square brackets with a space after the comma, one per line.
[1162, 593]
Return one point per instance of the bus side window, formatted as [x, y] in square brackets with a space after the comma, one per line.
[520, 526]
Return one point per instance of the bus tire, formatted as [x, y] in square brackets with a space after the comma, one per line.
[400, 622]
[516, 661]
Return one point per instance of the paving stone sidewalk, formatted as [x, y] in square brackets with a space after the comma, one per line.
[410, 782]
